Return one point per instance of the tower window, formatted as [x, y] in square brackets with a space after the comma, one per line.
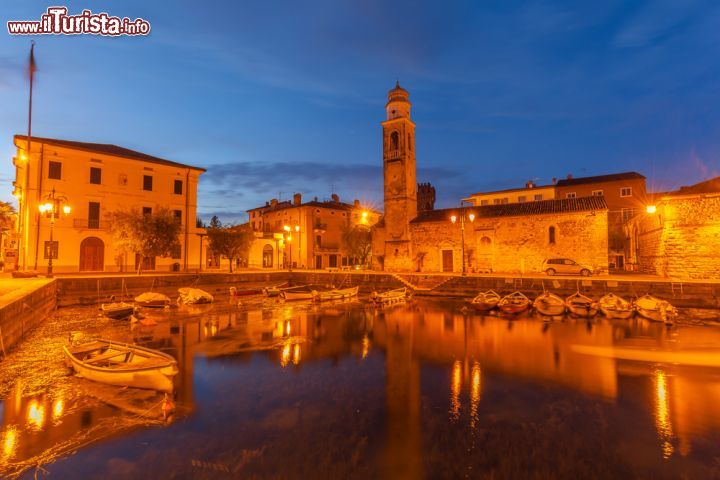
[394, 141]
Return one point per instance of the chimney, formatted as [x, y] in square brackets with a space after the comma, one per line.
[273, 203]
[335, 198]
[529, 184]
[356, 203]
[554, 180]
[297, 199]
[569, 177]
[314, 199]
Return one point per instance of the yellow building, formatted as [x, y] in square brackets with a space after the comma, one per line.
[93, 180]
[313, 237]
[531, 193]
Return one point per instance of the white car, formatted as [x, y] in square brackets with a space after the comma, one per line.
[565, 266]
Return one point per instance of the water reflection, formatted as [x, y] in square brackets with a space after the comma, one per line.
[472, 352]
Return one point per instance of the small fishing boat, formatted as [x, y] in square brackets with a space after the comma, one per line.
[549, 304]
[581, 306]
[335, 294]
[116, 363]
[655, 309]
[245, 292]
[152, 300]
[274, 290]
[613, 306]
[389, 296]
[485, 301]
[117, 310]
[193, 295]
[514, 303]
[301, 292]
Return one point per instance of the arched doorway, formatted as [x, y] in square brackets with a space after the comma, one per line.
[267, 256]
[92, 255]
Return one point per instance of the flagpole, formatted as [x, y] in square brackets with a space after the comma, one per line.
[26, 196]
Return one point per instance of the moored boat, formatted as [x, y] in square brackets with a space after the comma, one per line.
[581, 306]
[300, 292]
[549, 304]
[274, 290]
[335, 294]
[613, 306]
[152, 300]
[655, 309]
[245, 292]
[121, 364]
[485, 301]
[390, 296]
[117, 310]
[514, 303]
[193, 295]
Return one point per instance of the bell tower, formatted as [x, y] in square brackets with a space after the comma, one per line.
[399, 180]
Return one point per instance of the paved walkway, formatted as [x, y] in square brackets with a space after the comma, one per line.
[13, 288]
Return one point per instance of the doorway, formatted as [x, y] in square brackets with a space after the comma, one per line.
[447, 260]
[92, 255]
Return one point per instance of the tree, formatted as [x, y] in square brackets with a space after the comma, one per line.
[230, 241]
[146, 235]
[7, 219]
[357, 240]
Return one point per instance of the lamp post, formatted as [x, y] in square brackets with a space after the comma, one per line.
[288, 238]
[297, 231]
[454, 219]
[51, 209]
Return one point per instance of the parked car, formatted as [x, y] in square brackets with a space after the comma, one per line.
[565, 266]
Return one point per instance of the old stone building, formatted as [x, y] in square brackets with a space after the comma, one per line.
[680, 236]
[501, 237]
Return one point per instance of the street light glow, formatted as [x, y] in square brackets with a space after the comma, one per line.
[651, 209]
[67, 209]
[453, 218]
[471, 217]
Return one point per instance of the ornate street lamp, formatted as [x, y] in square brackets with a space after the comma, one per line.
[287, 236]
[453, 219]
[52, 207]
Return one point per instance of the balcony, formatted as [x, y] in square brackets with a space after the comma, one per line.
[320, 227]
[89, 224]
[393, 154]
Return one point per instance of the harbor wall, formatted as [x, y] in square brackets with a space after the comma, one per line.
[23, 313]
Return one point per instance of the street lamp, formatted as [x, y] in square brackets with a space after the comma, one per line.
[651, 209]
[51, 209]
[453, 219]
[288, 238]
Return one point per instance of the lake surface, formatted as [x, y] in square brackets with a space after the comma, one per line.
[423, 389]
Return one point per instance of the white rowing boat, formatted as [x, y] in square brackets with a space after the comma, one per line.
[549, 304]
[335, 294]
[301, 292]
[117, 310]
[389, 295]
[613, 306]
[152, 300]
[116, 363]
[194, 295]
[655, 309]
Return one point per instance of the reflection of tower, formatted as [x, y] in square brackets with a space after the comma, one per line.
[402, 385]
[399, 179]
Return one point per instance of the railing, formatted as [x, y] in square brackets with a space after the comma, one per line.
[392, 154]
[89, 223]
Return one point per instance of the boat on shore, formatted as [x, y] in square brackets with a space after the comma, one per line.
[245, 292]
[581, 306]
[549, 304]
[117, 310]
[485, 301]
[274, 290]
[389, 296]
[300, 292]
[655, 309]
[152, 300]
[117, 363]
[614, 306]
[335, 294]
[190, 295]
[514, 303]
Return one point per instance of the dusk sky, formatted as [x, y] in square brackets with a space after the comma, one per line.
[281, 97]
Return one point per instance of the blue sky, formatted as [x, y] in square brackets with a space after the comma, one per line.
[288, 96]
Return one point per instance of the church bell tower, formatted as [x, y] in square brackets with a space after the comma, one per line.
[399, 180]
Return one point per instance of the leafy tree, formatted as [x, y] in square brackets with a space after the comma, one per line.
[151, 235]
[7, 219]
[230, 241]
[357, 242]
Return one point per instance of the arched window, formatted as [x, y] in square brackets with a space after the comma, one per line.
[551, 235]
[485, 244]
[394, 141]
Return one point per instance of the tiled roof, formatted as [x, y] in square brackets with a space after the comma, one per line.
[708, 186]
[508, 190]
[108, 149]
[566, 182]
[542, 207]
[313, 203]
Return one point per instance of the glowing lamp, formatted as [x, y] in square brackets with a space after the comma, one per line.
[651, 209]
[471, 217]
[364, 215]
[67, 209]
[297, 228]
[286, 228]
[453, 219]
[289, 238]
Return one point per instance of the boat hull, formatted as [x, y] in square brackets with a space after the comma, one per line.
[390, 296]
[117, 312]
[336, 294]
[549, 305]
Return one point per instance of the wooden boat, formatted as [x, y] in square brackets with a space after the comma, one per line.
[655, 309]
[390, 296]
[613, 306]
[116, 363]
[485, 301]
[117, 310]
[193, 295]
[581, 306]
[245, 292]
[301, 292]
[274, 290]
[152, 300]
[514, 303]
[549, 304]
[335, 294]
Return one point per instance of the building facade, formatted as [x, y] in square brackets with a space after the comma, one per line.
[93, 180]
[504, 236]
[530, 193]
[306, 235]
[680, 236]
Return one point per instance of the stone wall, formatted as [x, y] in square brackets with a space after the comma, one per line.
[27, 311]
[681, 240]
[513, 244]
